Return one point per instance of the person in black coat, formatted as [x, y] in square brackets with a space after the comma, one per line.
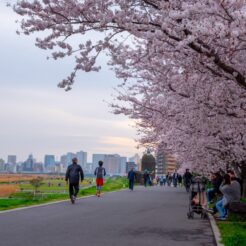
[187, 178]
[131, 178]
[73, 175]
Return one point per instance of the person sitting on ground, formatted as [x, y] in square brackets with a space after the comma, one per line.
[231, 193]
[234, 178]
[216, 182]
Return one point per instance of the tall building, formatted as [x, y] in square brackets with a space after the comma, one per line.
[123, 161]
[49, 161]
[96, 158]
[160, 163]
[136, 158]
[165, 163]
[28, 165]
[82, 158]
[89, 168]
[130, 165]
[70, 156]
[11, 164]
[171, 163]
[112, 164]
[63, 160]
[12, 159]
[1, 165]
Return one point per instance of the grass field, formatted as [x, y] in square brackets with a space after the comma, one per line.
[27, 198]
[233, 233]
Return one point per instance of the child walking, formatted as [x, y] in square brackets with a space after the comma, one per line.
[100, 172]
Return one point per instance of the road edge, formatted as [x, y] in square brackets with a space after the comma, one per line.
[215, 230]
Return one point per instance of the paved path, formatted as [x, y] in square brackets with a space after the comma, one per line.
[144, 217]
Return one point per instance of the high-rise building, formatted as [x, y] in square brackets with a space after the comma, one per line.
[12, 159]
[123, 161]
[136, 158]
[171, 163]
[112, 164]
[1, 165]
[160, 163]
[63, 160]
[28, 165]
[82, 158]
[96, 158]
[89, 168]
[70, 156]
[11, 164]
[130, 165]
[165, 163]
[49, 161]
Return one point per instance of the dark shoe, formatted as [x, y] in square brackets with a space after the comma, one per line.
[72, 199]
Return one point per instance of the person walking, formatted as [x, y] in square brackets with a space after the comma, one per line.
[131, 178]
[180, 180]
[74, 173]
[187, 178]
[169, 179]
[175, 178]
[146, 178]
[100, 172]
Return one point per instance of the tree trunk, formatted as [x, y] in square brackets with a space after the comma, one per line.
[243, 168]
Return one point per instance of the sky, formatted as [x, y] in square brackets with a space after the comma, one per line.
[38, 117]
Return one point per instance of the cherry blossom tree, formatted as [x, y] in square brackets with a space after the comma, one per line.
[182, 62]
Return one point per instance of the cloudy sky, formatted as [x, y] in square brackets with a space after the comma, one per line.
[39, 118]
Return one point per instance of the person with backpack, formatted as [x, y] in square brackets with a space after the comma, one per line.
[73, 175]
[100, 172]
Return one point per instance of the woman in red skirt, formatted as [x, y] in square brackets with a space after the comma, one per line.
[100, 172]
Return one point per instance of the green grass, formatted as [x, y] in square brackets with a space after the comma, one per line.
[23, 199]
[233, 233]
[53, 185]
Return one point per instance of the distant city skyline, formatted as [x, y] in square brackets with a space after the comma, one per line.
[57, 158]
[38, 118]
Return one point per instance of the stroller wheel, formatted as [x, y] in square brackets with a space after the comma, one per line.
[204, 215]
[190, 215]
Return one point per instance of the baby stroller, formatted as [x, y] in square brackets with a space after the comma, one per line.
[196, 195]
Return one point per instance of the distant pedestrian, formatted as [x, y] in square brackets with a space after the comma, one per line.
[180, 180]
[169, 179]
[100, 172]
[73, 175]
[131, 178]
[146, 178]
[187, 178]
[175, 178]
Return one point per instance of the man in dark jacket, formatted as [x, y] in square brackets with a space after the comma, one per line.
[73, 174]
[131, 178]
[187, 178]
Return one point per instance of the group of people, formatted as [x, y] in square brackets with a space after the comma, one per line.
[175, 178]
[75, 173]
[226, 188]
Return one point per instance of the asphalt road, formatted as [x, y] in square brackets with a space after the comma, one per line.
[144, 217]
